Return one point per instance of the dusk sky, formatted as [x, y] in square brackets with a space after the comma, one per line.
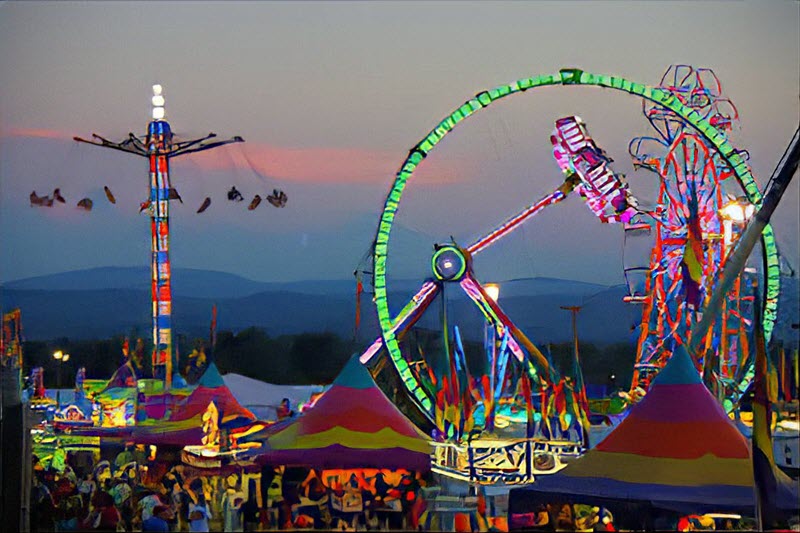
[330, 97]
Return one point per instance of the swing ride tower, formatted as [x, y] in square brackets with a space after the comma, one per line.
[159, 146]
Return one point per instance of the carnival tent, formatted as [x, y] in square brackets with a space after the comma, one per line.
[263, 398]
[677, 450]
[352, 425]
[212, 388]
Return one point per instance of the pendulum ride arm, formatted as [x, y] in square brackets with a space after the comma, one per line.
[407, 317]
[422, 299]
[538, 362]
[571, 181]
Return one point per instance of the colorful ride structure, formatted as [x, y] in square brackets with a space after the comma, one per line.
[159, 146]
[698, 159]
[700, 213]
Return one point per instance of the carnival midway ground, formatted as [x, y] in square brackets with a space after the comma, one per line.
[89, 483]
[404, 442]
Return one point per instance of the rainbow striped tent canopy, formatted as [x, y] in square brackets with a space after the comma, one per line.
[210, 388]
[676, 450]
[352, 425]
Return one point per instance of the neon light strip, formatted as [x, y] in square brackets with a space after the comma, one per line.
[564, 77]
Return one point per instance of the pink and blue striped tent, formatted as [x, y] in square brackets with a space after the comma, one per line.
[352, 425]
[676, 450]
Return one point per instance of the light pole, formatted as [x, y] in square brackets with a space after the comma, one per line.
[736, 212]
[60, 358]
[735, 215]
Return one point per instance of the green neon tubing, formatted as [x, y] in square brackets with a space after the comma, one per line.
[570, 76]
[458, 252]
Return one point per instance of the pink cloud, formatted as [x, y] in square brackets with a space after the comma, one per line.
[327, 165]
[41, 133]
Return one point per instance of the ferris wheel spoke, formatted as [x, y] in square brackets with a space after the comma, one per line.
[514, 222]
[538, 363]
[407, 317]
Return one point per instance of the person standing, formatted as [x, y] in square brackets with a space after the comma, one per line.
[199, 515]
[124, 457]
[250, 514]
[43, 507]
[104, 516]
[122, 492]
[159, 519]
[180, 505]
[232, 510]
[148, 504]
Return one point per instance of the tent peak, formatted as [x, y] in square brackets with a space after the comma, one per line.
[679, 370]
[354, 375]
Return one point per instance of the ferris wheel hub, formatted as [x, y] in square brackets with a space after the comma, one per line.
[449, 263]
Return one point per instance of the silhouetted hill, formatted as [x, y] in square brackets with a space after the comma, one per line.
[101, 302]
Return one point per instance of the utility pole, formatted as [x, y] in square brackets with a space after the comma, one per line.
[574, 310]
[158, 146]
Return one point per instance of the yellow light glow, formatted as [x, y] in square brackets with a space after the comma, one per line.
[493, 291]
[58, 354]
[737, 210]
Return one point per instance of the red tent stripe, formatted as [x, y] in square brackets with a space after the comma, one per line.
[680, 403]
[682, 440]
[364, 410]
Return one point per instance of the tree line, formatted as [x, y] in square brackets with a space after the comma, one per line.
[301, 359]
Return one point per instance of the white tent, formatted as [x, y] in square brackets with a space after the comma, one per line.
[263, 398]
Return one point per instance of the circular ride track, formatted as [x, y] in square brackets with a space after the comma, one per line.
[534, 362]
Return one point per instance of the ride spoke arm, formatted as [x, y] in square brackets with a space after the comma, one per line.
[492, 311]
[512, 223]
[124, 146]
[186, 144]
[134, 141]
[198, 145]
[407, 317]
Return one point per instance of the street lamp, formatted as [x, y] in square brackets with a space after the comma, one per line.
[737, 211]
[61, 357]
[493, 291]
[735, 215]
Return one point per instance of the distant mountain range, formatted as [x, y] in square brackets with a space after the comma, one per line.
[101, 302]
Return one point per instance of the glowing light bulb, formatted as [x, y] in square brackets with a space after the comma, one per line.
[158, 113]
[157, 89]
[158, 100]
[493, 291]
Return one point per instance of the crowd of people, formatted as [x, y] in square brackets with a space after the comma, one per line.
[126, 495]
[134, 493]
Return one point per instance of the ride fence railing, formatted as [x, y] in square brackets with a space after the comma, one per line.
[508, 461]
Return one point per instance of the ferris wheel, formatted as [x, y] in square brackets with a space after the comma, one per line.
[588, 172]
[701, 211]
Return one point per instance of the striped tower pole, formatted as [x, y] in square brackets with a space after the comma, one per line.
[159, 146]
[159, 141]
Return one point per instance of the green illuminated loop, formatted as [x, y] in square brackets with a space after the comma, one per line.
[564, 77]
[446, 255]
